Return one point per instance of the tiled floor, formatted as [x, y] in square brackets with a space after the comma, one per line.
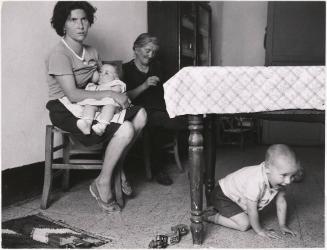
[156, 208]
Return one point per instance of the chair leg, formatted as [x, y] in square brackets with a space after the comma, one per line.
[146, 154]
[47, 184]
[65, 180]
[117, 185]
[176, 154]
[258, 129]
[66, 157]
[242, 141]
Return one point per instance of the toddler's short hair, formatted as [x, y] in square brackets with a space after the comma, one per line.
[279, 150]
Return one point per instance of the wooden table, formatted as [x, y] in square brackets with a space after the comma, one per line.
[202, 93]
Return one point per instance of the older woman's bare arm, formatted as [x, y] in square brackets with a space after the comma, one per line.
[150, 81]
[67, 82]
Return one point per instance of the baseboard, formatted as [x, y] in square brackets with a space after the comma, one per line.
[21, 183]
[26, 182]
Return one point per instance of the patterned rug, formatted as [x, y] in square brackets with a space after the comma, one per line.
[39, 231]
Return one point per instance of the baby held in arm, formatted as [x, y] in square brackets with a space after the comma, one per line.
[239, 196]
[105, 79]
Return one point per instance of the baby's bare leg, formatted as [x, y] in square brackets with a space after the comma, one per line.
[104, 118]
[84, 124]
[107, 113]
[239, 221]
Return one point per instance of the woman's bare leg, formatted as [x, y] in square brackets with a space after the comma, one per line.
[138, 122]
[116, 147]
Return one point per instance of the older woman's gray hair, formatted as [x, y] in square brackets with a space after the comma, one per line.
[144, 39]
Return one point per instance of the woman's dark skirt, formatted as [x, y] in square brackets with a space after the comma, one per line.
[62, 118]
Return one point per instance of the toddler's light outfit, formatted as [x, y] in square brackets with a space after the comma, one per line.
[248, 183]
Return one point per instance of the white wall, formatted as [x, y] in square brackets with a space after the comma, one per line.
[26, 37]
[238, 33]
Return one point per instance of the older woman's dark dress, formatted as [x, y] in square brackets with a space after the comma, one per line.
[159, 122]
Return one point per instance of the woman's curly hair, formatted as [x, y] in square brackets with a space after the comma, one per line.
[63, 9]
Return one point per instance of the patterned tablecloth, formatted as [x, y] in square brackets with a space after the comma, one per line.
[205, 90]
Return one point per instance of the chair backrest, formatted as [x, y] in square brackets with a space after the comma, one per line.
[234, 122]
[228, 123]
[118, 64]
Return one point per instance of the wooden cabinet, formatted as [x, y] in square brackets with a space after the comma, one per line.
[184, 32]
[296, 33]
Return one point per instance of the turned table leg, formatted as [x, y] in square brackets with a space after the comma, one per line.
[196, 176]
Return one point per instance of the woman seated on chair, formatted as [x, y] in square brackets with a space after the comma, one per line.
[68, 72]
[143, 79]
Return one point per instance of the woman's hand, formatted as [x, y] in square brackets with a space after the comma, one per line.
[151, 81]
[122, 100]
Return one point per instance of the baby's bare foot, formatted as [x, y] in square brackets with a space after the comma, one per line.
[99, 128]
[84, 125]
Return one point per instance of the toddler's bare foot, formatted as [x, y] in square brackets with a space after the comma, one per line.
[84, 125]
[210, 215]
[99, 128]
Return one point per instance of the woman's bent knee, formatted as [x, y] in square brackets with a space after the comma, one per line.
[141, 118]
[126, 132]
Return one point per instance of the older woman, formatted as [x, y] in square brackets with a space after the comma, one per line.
[143, 79]
[70, 65]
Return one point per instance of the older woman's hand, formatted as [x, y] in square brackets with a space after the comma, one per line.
[122, 100]
[151, 81]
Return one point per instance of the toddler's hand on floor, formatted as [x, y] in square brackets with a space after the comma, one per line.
[286, 230]
[269, 234]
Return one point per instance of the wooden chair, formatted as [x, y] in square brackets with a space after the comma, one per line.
[235, 129]
[77, 156]
[172, 148]
[74, 156]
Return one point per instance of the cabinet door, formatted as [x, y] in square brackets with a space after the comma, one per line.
[296, 33]
[203, 36]
[163, 22]
[187, 34]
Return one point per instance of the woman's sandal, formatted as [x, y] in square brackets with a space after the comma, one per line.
[126, 188]
[109, 207]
